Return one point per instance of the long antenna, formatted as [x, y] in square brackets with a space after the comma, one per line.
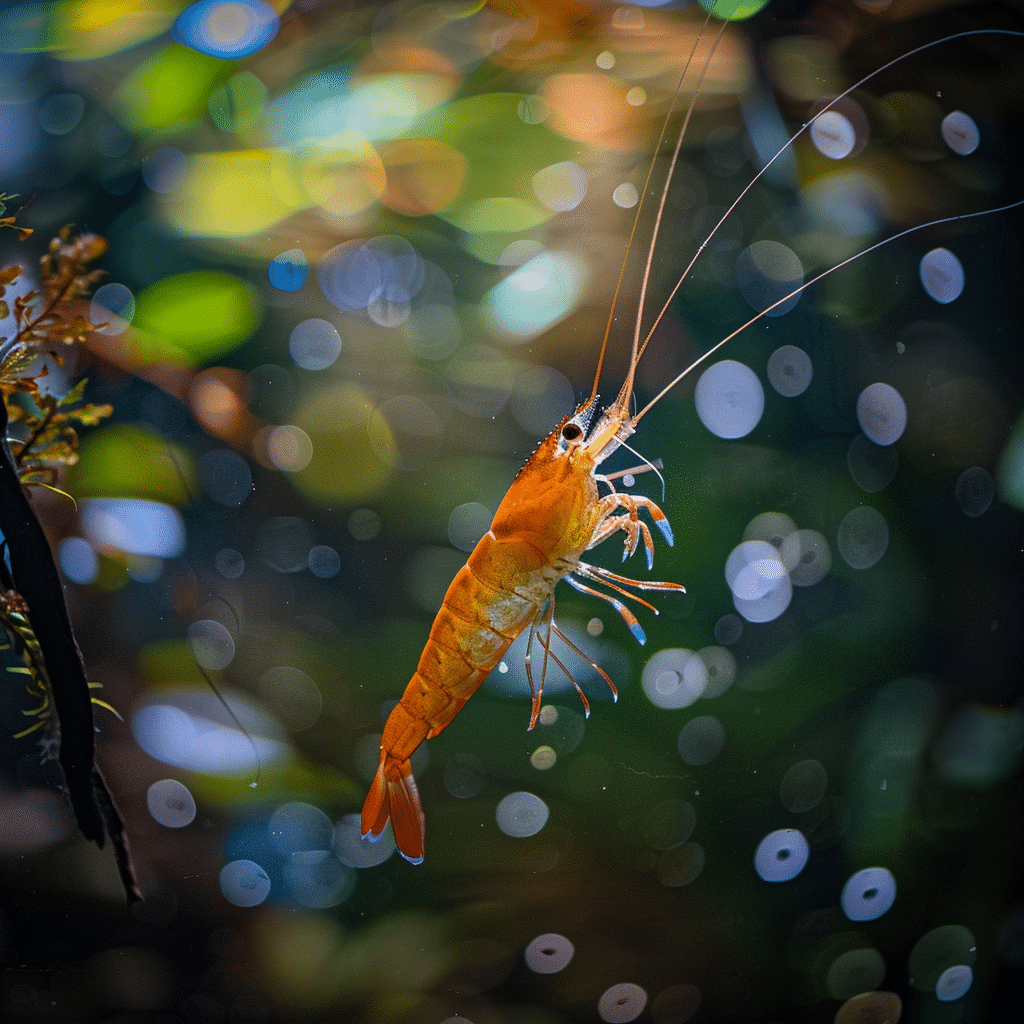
[753, 181]
[627, 385]
[639, 209]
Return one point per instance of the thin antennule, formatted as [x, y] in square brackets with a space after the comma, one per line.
[637, 350]
[636, 217]
[760, 174]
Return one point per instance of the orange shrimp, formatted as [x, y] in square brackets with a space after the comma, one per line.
[554, 512]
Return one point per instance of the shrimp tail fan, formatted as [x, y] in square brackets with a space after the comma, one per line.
[393, 795]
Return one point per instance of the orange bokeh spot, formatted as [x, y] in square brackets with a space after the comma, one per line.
[423, 175]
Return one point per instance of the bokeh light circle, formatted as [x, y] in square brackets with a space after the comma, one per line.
[288, 270]
[212, 645]
[882, 413]
[862, 537]
[314, 344]
[806, 557]
[729, 399]
[228, 29]
[833, 135]
[701, 740]
[975, 491]
[953, 983]
[766, 273]
[521, 814]
[781, 855]
[674, 678]
[244, 883]
[960, 132]
[854, 972]
[942, 275]
[549, 953]
[868, 894]
[112, 308]
[355, 851]
[170, 803]
[790, 371]
[872, 466]
[621, 1003]
[803, 786]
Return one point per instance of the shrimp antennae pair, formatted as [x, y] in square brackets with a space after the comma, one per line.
[638, 348]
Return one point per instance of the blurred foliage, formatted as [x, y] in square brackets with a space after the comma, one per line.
[366, 259]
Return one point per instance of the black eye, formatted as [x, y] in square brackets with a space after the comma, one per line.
[572, 432]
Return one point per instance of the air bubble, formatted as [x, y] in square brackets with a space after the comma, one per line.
[882, 413]
[868, 894]
[288, 270]
[942, 275]
[244, 883]
[960, 132]
[622, 1003]
[790, 371]
[862, 537]
[521, 814]
[729, 399]
[548, 953]
[701, 740]
[171, 804]
[781, 855]
[675, 1004]
[975, 490]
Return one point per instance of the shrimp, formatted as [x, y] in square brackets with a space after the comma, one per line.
[559, 506]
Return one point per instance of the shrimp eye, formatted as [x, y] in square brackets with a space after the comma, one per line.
[572, 432]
